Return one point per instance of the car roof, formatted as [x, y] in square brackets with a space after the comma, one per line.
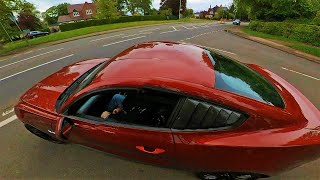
[151, 61]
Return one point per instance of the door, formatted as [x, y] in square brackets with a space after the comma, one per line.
[149, 145]
[141, 131]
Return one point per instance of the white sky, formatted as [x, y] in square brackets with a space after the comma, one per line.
[196, 5]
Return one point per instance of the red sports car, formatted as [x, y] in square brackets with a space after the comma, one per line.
[178, 105]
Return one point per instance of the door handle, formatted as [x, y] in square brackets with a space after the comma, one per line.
[150, 150]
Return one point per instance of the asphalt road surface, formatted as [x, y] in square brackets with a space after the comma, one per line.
[23, 155]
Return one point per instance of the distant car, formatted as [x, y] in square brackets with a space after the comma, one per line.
[236, 22]
[34, 34]
[183, 106]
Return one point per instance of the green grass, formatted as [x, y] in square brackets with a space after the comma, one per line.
[290, 43]
[22, 45]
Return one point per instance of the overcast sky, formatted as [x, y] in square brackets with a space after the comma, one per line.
[197, 5]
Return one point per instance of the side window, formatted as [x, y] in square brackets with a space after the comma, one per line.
[195, 114]
[135, 107]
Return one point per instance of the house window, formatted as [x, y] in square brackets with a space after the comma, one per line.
[76, 14]
[88, 11]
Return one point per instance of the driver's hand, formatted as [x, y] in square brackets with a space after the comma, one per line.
[105, 114]
[116, 111]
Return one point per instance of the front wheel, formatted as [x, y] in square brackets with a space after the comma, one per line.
[229, 176]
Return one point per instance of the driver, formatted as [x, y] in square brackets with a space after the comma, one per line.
[115, 106]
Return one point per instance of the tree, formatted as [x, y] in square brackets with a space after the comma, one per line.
[28, 17]
[166, 12]
[121, 7]
[139, 6]
[144, 6]
[7, 8]
[277, 10]
[188, 13]
[51, 15]
[174, 5]
[106, 9]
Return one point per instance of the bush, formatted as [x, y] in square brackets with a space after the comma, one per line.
[45, 30]
[122, 19]
[299, 32]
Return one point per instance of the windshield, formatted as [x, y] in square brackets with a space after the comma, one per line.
[236, 78]
[82, 82]
[88, 79]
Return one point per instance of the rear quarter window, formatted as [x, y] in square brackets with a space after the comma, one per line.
[237, 78]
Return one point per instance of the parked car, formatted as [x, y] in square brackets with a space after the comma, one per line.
[34, 34]
[236, 22]
[181, 106]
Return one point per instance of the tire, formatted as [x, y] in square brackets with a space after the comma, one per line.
[229, 176]
[42, 135]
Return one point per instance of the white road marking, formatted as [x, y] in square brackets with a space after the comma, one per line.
[186, 27]
[41, 49]
[123, 41]
[217, 49]
[35, 67]
[136, 34]
[106, 37]
[7, 121]
[149, 30]
[169, 32]
[30, 58]
[301, 73]
[4, 113]
[174, 28]
[202, 34]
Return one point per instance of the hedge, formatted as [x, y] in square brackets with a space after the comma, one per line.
[299, 32]
[122, 19]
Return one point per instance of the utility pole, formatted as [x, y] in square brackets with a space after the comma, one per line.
[180, 10]
[5, 31]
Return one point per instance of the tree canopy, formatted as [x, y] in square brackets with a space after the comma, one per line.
[106, 9]
[174, 5]
[51, 15]
[275, 10]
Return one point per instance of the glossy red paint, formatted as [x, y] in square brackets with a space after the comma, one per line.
[270, 141]
[41, 98]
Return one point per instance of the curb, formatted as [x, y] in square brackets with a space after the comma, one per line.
[280, 47]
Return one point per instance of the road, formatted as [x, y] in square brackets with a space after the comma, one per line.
[25, 156]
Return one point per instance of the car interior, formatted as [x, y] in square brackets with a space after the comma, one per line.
[140, 107]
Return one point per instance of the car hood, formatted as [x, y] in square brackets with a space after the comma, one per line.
[45, 93]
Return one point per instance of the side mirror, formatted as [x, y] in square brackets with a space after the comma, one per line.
[63, 127]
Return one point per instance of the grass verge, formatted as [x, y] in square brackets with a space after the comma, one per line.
[21, 45]
[290, 43]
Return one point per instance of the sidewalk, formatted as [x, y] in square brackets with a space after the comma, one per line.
[236, 30]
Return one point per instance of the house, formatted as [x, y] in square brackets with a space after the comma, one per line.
[78, 12]
[210, 13]
[197, 15]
